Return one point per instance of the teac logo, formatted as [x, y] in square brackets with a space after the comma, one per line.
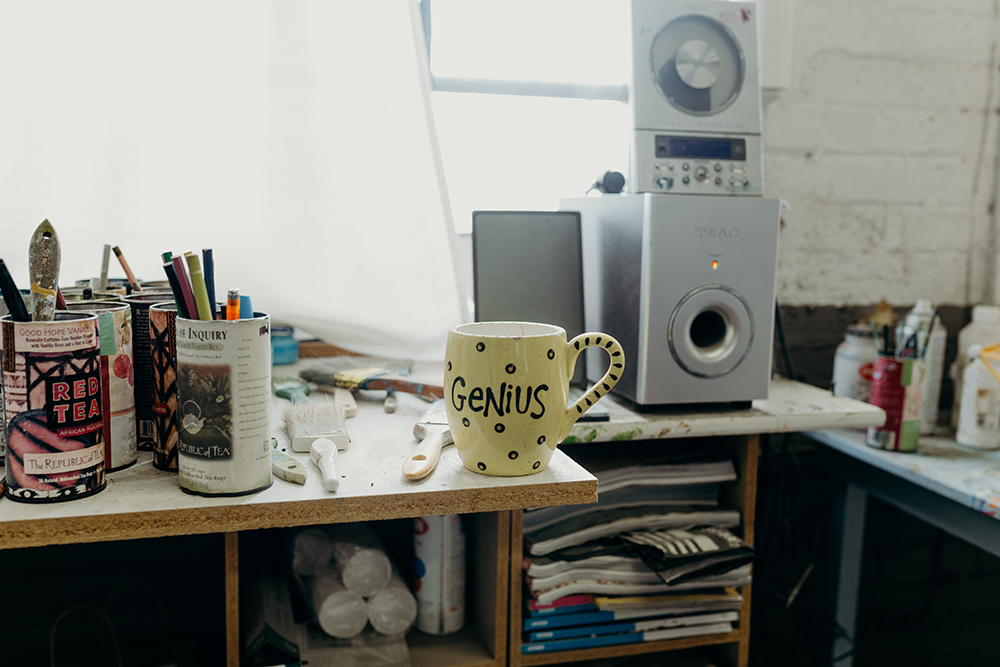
[717, 232]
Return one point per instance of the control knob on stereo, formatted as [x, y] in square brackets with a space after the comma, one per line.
[701, 173]
[664, 182]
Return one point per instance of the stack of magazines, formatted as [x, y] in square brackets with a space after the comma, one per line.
[653, 559]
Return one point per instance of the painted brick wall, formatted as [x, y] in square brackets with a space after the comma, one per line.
[884, 149]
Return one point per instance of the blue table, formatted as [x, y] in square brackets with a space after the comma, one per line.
[954, 489]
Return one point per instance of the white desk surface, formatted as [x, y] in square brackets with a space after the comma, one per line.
[790, 406]
[940, 465]
[142, 501]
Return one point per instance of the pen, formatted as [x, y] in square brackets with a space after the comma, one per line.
[12, 296]
[136, 287]
[233, 304]
[208, 269]
[198, 286]
[182, 279]
[175, 287]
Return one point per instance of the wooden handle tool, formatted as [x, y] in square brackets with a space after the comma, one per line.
[43, 269]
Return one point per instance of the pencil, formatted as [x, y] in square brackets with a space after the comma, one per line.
[208, 270]
[182, 279]
[136, 287]
[198, 286]
[175, 287]
[12, 296]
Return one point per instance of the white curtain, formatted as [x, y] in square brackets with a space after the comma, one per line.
[294, 138]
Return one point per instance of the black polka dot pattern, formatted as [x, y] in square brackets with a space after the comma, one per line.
[551, 354]
[465, 421]
[499, 428]
[449, 365]
[541, 440]
[480, 346]
[481, 465]
[535, 466]
[512, 455]
[511, 368]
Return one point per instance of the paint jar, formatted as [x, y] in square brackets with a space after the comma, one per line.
[163, 350]
[114, 321]
[52, 408]
[224, 405]
[897, 388]
[854, 363]
[979, 416]
[143, 364]
[284, 347]
[87, 294]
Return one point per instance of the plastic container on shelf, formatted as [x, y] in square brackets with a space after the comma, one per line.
[979, 413]
[853, 363]
[923, 318]
[284, 346]
[983, 330]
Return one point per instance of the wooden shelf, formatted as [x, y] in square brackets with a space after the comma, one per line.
[142, 501]
[740, 495]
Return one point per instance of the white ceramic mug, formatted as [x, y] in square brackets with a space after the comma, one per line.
[506, 390]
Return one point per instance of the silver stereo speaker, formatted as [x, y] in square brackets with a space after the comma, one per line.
[687, 285]
[695, 98]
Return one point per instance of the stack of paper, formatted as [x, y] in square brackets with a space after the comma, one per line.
[656, 548]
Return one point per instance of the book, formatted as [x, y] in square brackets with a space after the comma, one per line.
[734, 578]
[626, 638]
[571, 604]
[680, 554]
[582, 528]
[546, 566]
[677, 607]
[634, 626]
[719, 599]
[700, 495]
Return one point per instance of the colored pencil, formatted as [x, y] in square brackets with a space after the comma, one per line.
[208, 270]
[136, 287]
[182, 279]
[198, 286]
[12, 296]
[175, 287]
[246, 308]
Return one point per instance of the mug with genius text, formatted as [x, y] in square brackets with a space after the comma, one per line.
[506, 392]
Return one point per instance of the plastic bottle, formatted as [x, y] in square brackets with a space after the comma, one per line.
[439, 543]
[983, 330]
[979, 414]
[393, 609]
[922, 318]
[853, 364]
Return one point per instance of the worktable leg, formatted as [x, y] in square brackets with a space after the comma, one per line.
[232, 565]
[849, 533]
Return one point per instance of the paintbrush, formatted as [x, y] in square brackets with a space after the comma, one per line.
[359, 373]
[306, 422]
[285, 467]
[323, 454]
[43, 270]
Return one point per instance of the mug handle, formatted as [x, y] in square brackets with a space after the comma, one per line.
[602, 386]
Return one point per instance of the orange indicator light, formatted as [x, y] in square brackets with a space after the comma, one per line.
[715, 265]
